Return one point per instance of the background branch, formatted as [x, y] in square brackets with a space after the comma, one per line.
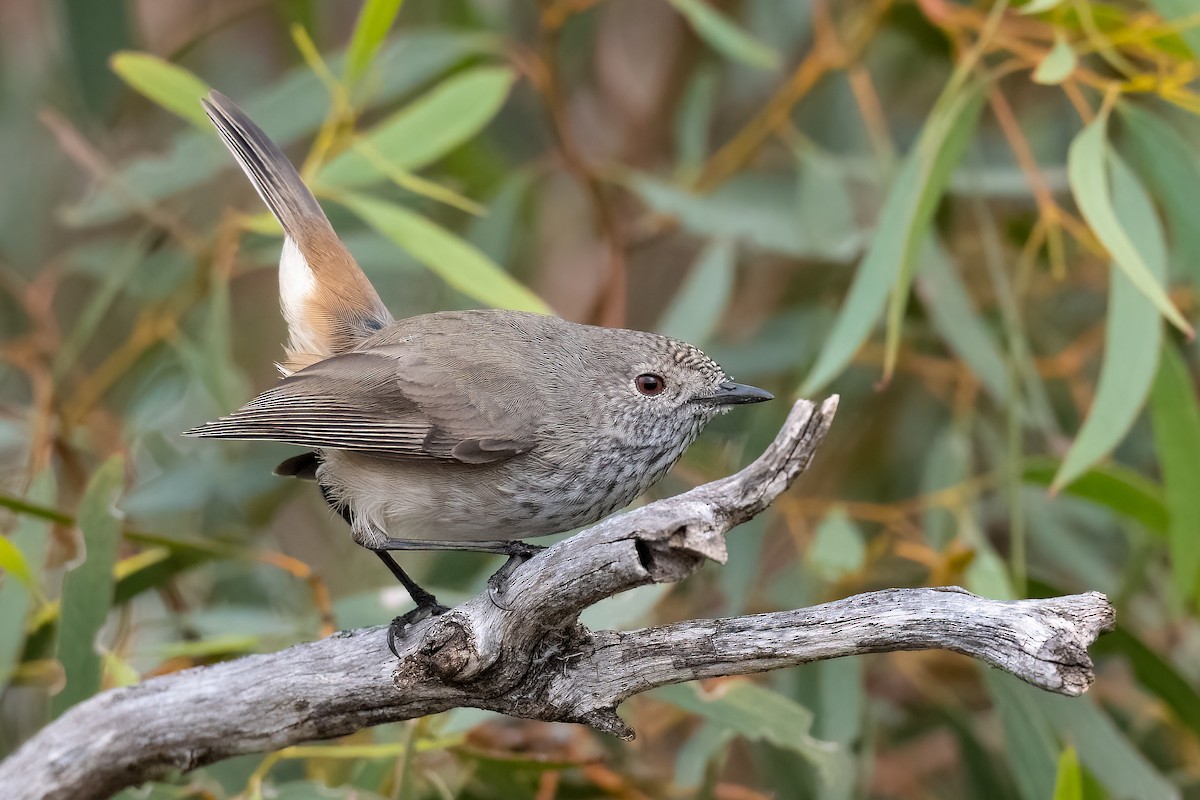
[532, 658]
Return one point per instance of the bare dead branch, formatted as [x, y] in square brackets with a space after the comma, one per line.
[533, 659]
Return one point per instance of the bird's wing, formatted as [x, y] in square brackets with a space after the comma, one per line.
[378, 403]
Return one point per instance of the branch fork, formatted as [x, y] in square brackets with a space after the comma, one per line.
[532, 658]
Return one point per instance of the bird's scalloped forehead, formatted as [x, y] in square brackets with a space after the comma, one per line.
[682, 353]
[688, 355]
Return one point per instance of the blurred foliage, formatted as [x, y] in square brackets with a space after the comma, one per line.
[974, 220]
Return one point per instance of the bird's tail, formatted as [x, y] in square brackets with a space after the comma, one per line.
[328, 303]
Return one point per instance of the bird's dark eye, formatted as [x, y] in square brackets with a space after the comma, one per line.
[649, 384]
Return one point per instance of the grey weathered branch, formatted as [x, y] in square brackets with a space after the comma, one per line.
[533, 659]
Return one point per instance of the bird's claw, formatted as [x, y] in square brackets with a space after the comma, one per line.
[518, 553]
[400, 625]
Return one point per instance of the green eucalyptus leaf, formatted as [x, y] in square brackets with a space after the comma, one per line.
[1058, 64]
[375, 19]
[1087, 169]
[424, 130]
[456, 261]
[87, 593]
[1133, 334]
[167, 84]
[1111, 486]
[695, 311]
[31, 540]
[1169, 165]
[1068, 785]
[904, 225]
[1177, 439]
[760, 714]
[724, 36]
[288, 109]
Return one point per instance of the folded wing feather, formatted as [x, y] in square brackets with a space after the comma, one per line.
[376, 404]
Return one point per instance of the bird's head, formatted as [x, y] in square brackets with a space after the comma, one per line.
[653, 389]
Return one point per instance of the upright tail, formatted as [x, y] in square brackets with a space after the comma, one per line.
[327, 301]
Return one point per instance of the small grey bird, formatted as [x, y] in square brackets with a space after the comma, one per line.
[458, 430]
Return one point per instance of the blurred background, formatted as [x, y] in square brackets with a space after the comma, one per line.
[975, 221]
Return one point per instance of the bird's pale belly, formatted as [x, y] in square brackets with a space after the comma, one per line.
[517, 499]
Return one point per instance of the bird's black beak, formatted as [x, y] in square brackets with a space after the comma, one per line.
[730, 393]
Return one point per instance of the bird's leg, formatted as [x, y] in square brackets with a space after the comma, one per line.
[518, 553]
[427, 604]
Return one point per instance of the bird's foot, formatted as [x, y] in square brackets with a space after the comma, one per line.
[400, 625]
[518, 553]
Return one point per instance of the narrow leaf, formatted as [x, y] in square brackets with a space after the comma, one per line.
[370, 29]
[838, 548]
[167, 84]
[760, 714]
[1111, 486]
[693, 120]
[498, 233]
[1103, 748]
[111, 283]
[841, 707]
[31, 540]
[458, 262]
[1183, 12]
[1158, 675]
[1169, 166]
[289, 108]
[958, 321]
[1177, 440]
[757, 210]
[426, 129]
[1029, 741]
[1069, 783]
[87, 592]
[696, 308]
[1133, 334]
[1039, 6]
[13, 563]
[903, 225]
[1058, 64]
[1088, 175]
[724, 36]
[959, 113]
[415, 183]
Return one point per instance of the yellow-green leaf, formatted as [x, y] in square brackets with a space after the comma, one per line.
[425, 129]
[13, 562]
[1058, 64]
[167, 84]
[1088, 175]
[1069, 783]
[416, 184]
[31, 539]
[1181, 13]
[724, 36]
[458, 262]
[374, 21]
